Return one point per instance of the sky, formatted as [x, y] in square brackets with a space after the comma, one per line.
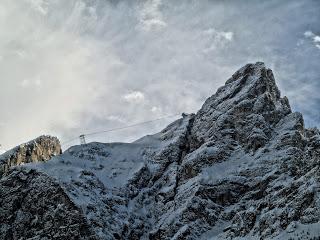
[69, 67]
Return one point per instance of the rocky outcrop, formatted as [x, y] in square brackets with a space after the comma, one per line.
[39, 150]
[33, 206]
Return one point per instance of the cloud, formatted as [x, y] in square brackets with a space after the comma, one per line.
[315, 38]
[228, 36]
[74, 66]
[134, 97]
[216, 39]
[308, 34]
[39, 5]
[35, 83]
[155, 109]
[151, 16]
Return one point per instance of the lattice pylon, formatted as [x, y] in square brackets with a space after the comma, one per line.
[82, 139]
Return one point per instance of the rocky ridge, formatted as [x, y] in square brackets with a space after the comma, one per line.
[40, 149]
[243, 167]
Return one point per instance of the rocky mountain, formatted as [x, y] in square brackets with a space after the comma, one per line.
[243, 167]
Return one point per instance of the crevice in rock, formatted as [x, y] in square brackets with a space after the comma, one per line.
[185, 149]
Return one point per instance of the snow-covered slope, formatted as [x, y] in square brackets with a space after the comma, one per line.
[97, 176]
[243, 167]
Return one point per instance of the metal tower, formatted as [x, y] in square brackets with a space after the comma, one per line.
[82, 139]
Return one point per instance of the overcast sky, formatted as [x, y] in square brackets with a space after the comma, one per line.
[74, 66]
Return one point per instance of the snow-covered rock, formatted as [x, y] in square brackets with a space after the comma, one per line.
[33, 206]
[243, 167]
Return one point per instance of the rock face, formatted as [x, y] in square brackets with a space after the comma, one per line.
[41, 149]
[243, 167]
[33, 206]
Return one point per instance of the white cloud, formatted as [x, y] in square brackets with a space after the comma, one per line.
[218, 35]
[228, 35]
[25, 83]
[156, 110]
[134, 97]
[39, 5]
[308, 34]
[150, 15]
[315, 38]
[216, 39]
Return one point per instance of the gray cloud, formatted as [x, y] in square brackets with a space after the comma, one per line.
[76, 66]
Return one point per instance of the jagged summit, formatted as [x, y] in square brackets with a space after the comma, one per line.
[250, 102]
[243, 167]
[254, 83]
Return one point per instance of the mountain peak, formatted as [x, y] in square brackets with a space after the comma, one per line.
[257, 79]
[250, 95]
[253, 82]
[248, 68]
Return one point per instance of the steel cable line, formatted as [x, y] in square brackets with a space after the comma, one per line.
[119, 128]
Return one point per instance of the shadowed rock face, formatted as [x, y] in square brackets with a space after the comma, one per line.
[39, 150]
[243, 166]
[33, 206]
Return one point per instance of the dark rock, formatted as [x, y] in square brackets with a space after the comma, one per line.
[33, 206]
